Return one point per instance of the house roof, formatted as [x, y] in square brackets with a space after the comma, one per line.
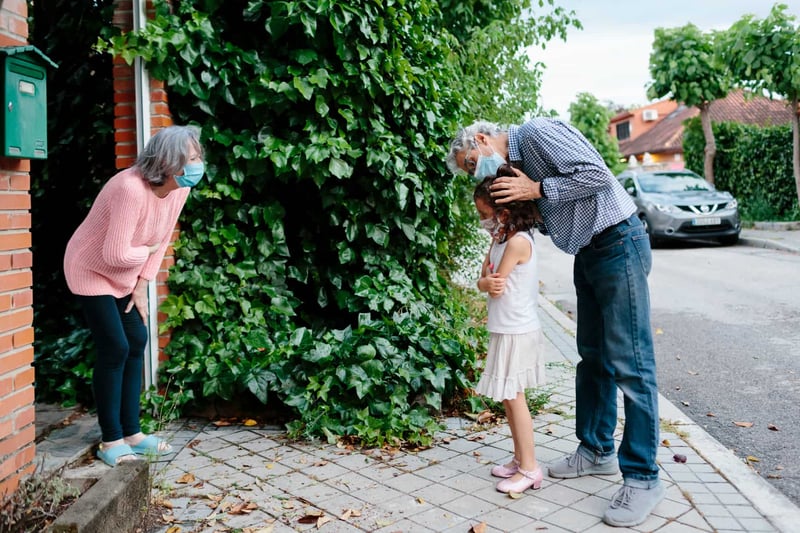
[666, 136]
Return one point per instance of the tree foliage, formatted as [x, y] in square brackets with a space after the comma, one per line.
[764, 54]
[683, 66]
[592, 119]
[308, 269]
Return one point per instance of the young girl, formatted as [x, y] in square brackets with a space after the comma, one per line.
[514, 359]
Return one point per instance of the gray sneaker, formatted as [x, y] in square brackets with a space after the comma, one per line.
[631, 506]
[576, 465]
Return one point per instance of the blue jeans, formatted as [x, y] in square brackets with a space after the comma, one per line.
[120, 339]
[615, 343]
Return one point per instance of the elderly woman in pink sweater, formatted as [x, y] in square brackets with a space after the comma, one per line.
[110, 259]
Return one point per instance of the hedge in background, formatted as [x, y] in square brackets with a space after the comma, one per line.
[753, 163]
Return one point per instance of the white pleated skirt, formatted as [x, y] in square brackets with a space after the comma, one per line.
[513, 363]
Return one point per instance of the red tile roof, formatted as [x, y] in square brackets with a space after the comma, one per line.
[666, 136]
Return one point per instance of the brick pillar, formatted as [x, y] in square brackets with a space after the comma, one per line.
[125, 131]
[17, 413]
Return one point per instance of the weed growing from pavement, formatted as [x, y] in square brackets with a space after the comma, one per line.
[37, 502]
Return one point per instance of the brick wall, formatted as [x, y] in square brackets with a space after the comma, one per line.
[125, 130]
[17, 430]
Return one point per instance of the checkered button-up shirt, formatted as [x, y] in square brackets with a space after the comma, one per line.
[582, 197]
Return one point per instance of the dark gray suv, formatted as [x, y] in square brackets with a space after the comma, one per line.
[679, 204]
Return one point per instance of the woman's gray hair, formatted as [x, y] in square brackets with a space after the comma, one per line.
[465, 138]
[167, 152]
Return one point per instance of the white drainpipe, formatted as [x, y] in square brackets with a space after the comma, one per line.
[142, 85]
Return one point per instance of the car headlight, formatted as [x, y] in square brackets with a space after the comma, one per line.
[733, 204]
[667, 208]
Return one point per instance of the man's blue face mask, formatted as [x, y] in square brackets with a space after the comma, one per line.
[487, 166]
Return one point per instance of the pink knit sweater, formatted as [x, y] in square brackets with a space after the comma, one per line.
[109, 251]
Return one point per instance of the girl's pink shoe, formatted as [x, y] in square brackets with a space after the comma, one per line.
[530, 478]
[506, 470]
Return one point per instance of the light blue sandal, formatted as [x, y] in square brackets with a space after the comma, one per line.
[152, 446]
[111, 455]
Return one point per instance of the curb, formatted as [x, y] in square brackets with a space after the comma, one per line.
[768, 243]
[114, 503]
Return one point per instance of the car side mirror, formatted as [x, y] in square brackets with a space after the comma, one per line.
[631, 190]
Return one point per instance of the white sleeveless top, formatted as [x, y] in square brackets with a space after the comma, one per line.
[515, 311]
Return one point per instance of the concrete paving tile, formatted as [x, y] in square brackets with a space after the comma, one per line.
[561, 494]
[436, 473]
[316, 492]
[756, 524]
[324, 470]
[292, 481]
[401, 526]
[407, 483]
[437, 519]
[468, 506]
[222, 476]
[376, 495]
[743, 511]
[258, 467]
[677, 527]
[260, 444]
[733, 499]
[467, 463]
[502, 519]
[713, 510]
[436, 454]
[436, 494]
[462, 445]
[725, 522]
[531, 506]
[571, 519]
[684, 477]
[692, 518]
[590, 484]
[353, 481]
[404, 506]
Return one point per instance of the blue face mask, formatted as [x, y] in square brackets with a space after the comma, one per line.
[487, 166]
[192, 174]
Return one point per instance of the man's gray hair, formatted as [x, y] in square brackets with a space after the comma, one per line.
[465, 138]
[167, 152]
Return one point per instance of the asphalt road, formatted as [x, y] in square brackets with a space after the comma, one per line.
[727, 340]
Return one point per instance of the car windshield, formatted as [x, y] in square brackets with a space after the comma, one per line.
[673, 182]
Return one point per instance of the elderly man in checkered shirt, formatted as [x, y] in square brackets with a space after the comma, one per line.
[587, 214]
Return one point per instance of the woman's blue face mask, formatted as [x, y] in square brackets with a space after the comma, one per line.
[192, 174]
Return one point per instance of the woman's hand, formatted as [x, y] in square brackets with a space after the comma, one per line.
[139, 299]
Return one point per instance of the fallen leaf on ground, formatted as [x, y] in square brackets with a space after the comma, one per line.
[322, 520]
[665, 442]
[752, 459]
[186, 478]
[478, 528]
[249, 422]
[711, 414]
[659, 331]
[744, 424]
[515, 495]
[772, 427]
[685, 403]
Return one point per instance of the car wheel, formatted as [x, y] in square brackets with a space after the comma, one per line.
[653, 240]
[730, 240]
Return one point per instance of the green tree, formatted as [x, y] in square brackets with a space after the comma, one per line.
[684, 67]
[592, 119]
[497, 78]
[308, 268]
[765, 55]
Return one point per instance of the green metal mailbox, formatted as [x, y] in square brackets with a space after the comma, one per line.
[24, 116]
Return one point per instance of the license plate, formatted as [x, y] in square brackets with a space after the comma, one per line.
[709, 221]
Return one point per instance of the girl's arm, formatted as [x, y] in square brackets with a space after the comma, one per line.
[518, 251]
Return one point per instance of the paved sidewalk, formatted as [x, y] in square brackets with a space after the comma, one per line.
[254, 479]
[217, 471]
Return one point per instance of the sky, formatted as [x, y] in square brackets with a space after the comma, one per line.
[610, 57]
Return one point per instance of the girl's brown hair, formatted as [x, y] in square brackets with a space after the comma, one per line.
[521, 213]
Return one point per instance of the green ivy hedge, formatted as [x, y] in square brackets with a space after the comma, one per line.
[308, 271]
[752, 163]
